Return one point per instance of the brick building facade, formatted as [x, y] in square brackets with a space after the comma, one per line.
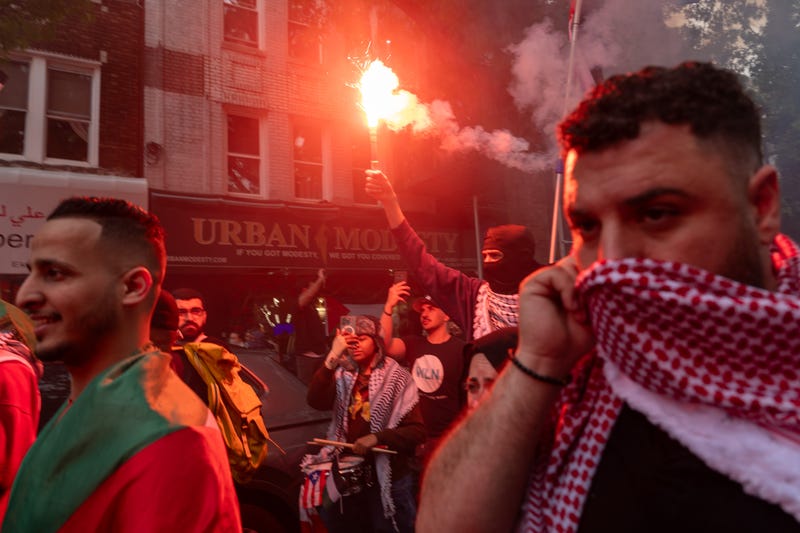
[71, 118]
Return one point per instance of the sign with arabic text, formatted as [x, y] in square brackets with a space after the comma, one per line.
[29, 195]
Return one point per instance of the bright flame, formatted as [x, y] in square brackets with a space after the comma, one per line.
[379, 96]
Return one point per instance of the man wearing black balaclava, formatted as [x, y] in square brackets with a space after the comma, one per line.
[477, 306]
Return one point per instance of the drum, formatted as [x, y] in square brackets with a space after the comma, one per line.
[324, 466]
[352, 474]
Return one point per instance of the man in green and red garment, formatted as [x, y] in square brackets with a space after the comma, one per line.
[132, 449]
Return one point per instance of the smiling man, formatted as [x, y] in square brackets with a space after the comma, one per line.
[655, 383]
[133, 449]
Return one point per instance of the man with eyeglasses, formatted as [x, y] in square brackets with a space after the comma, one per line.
[192, 316]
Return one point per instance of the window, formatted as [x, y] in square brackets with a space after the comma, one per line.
[244, 155]
[241, 21]
[49, 111]
[14, 108]
[69, 114]
[308, 167]
[305, 38]
[361, 157]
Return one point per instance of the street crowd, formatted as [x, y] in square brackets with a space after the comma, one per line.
[648, 381]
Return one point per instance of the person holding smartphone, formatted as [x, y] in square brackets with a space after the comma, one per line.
[375, 404]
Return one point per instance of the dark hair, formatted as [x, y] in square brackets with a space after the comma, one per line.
[711, 100]
[165, 315]
[494, 346]
[127, 227]
[187, 294]
[380, 349]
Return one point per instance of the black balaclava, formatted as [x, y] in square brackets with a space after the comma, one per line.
[516, 243]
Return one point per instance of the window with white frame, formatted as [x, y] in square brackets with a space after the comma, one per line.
[308, 158]
[244, 155]
[14, 108]
[49, 111]
[240, 20]
[69, 114]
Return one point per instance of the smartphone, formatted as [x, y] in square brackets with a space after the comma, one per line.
[400, 275]
[347, 324]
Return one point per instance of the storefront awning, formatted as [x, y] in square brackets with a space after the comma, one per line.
[226, 233]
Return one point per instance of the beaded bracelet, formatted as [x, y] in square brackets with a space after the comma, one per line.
[539, 377]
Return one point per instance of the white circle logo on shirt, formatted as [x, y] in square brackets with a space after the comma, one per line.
[428, 373]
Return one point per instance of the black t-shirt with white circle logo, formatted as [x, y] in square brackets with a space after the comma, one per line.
[437, 371]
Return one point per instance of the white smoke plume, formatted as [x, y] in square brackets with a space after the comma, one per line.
[614, 36]
[438, 119]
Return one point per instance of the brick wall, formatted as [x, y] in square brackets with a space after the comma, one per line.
[193, 78]
[113, 35]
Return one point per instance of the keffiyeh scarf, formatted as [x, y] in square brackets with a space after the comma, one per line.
[392, 395]
[713, 362]
[494, 311]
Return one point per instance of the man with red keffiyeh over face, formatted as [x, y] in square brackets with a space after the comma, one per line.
[655, 384]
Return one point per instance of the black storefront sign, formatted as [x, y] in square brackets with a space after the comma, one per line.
[224, 233]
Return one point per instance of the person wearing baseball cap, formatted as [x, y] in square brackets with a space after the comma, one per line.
[487, 356]
[435, 359]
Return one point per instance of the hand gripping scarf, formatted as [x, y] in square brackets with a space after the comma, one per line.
[392, 395]
[713, 362]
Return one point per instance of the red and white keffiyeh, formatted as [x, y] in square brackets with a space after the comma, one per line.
[713, 362]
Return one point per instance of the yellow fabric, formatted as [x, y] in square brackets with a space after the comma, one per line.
[235, 405]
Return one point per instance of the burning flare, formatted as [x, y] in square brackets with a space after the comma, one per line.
[382, 100]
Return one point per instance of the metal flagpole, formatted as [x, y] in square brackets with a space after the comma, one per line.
[477, 234]
[555, 231]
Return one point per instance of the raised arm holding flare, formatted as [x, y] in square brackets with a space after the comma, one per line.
[477, 306]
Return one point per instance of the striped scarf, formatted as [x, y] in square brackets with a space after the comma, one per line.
[713, 362]
[392, 395]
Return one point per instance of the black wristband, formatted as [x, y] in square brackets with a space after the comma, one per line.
[539, 377]
[387, 314]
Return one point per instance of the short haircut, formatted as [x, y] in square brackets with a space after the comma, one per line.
[187, 294]
[165, 315]
[126, 227]
[711, 100]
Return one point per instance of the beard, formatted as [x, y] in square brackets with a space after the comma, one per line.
[85, 335]
[744, 262]
[190, 331]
